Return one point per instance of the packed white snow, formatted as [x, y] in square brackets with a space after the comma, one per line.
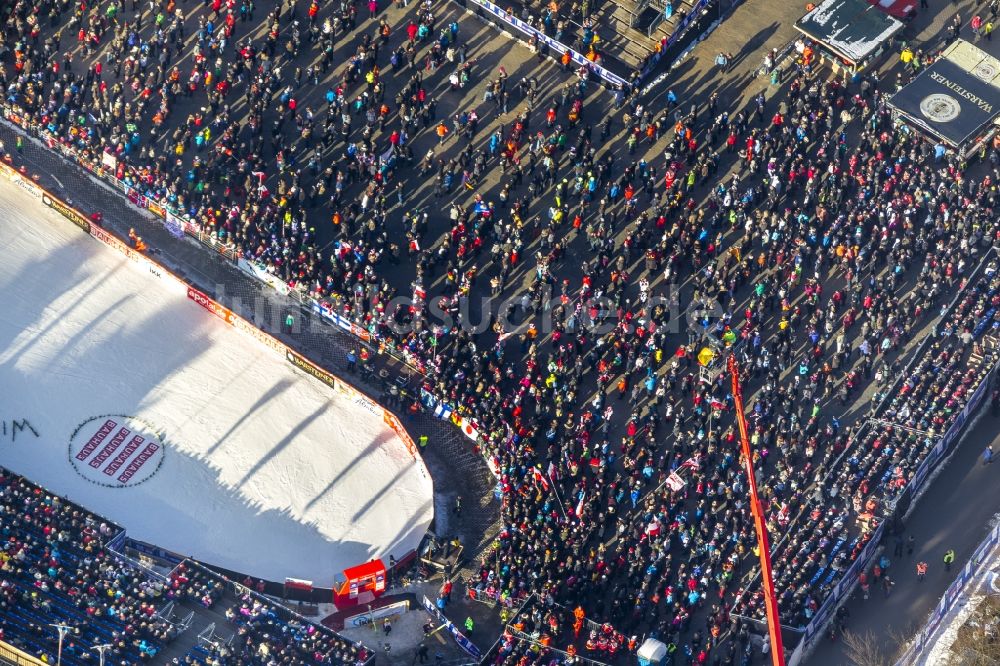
[123, 395]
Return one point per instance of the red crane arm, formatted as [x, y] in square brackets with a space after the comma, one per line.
[763, 545]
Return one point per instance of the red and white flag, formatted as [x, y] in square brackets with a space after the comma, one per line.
[299, 584]
[690, 463]
[540, 477]
[675, 482]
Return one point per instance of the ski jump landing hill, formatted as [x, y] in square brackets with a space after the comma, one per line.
[132, 393]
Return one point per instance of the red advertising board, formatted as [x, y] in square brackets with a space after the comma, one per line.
[204, 301]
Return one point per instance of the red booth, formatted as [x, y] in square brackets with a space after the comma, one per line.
[368, 577]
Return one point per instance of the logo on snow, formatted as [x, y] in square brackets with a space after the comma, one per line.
[940, 108]
[116, 451]
[985, 70]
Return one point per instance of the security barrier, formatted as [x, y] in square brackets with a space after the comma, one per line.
[972, 569]
[847, 583]
[11, 655]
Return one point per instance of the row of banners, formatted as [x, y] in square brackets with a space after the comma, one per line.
[972, 569]
[460, 639]
[578, 58]
[180, 226]
[813, 631]
[179, 286]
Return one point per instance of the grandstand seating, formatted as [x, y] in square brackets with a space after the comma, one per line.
[56, 569]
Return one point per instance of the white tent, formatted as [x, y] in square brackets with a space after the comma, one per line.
[652, 652]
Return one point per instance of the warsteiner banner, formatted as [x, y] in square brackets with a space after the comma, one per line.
[70, 214]
[951, 103]
[307, 366]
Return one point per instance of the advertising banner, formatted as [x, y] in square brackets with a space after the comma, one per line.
[685, 22]
[948, 101]
[241, 324]
[26, 184]
[305, 365]
[557, 48]
[174, 224]
[256, 271]
[364, 619]
[112, 241]
[459, 637]
[70, 214]
[204, 301]
[390, 420]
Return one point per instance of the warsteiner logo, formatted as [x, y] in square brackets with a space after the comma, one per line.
[311, 369]
[961, 92]
[69, 213]
[940, 108]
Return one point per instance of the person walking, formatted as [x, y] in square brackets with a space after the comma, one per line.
[897, 550]
[949, 557]
[458, 505]
[887, 584]
[988, 454]
[469, 624]
[911, 543]
[921, 570]
[422, 653]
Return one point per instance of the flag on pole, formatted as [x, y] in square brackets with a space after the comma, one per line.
[675, 482]
[690, 463]
[540, 477]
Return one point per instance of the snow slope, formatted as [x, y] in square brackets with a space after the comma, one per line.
[234, 456]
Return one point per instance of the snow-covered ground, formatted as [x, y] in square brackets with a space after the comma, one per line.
[123, 395]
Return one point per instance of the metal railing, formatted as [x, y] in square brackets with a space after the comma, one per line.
[11, 655]
[640, 7]
[972, 569]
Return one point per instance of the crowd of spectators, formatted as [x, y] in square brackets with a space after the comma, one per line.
[834, 240]
[849, 235]
[56, 570]
[262, 631]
